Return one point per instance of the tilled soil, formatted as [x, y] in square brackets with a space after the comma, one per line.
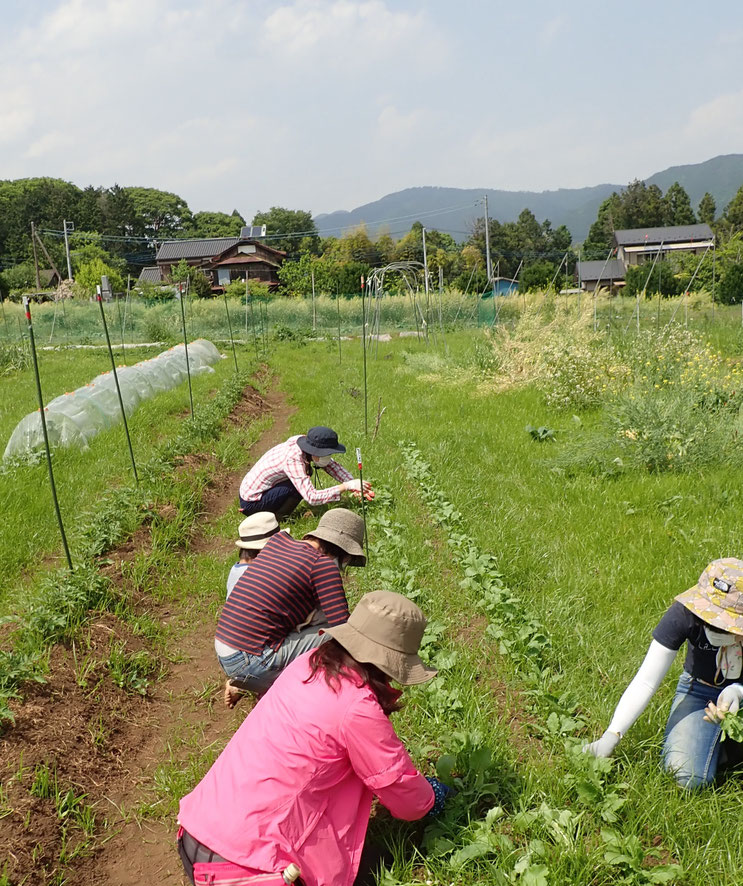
[104, 744]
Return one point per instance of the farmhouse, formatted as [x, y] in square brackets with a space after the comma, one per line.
[635, 246]
[643, 244]
[222, 259]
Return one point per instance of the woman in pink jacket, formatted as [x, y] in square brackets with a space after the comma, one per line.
[294, 786]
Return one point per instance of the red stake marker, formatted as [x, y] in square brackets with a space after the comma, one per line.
[363, 501]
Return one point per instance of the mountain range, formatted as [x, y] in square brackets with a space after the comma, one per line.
[454, 210]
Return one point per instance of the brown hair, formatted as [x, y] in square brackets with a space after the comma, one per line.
[336, 662]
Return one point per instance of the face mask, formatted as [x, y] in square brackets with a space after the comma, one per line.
[720, 638]
[322, 461]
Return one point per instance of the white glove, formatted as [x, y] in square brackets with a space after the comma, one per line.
[728, 702]
[353, 486]
[730, 698]
[604, 747]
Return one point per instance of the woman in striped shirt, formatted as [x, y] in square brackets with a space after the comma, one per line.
[277, 608]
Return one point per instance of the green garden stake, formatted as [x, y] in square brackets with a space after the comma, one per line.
[363, 502]
[338, 305]
[116, 381]
[185, 342]
[229, 326]
[363, 343]
[27, 306]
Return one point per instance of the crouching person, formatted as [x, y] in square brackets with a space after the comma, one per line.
[709, 619]
[281, 602]
[296, 781]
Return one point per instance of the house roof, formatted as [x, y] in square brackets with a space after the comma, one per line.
[149, 275]
[601, 270]
[673, 234]
[241, 259]
[205, 247]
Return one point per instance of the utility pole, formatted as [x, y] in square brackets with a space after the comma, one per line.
[487, 241]
[36, 258]
[68, 226]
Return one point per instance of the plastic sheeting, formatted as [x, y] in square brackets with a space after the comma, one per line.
[72, 419]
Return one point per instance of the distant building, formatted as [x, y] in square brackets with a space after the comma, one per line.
[594, 275]
[221, 259]
[636, 246]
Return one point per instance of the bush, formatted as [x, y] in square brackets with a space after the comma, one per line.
[730, 289]
[648, 279]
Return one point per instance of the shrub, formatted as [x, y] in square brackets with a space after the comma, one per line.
[730, 290]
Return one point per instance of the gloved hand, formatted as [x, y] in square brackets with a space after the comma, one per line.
[604, 747]
[728, 702]
[354, 486]
[440, 793]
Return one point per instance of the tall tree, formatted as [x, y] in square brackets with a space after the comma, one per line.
[163, 215]
[707, 209]
[678, 206]
[292, 230]
[216, 224]
[733, 215]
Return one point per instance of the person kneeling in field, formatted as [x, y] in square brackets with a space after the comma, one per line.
[294, 786]
[253, 534]
[709, 618]
[280, 479]
[282, 601]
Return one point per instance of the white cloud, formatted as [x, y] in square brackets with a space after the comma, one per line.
[719, 119]
[395, 126]
[56, 140]
[551, 30]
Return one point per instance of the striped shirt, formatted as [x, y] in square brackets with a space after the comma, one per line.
[285, 582]
[287, 462]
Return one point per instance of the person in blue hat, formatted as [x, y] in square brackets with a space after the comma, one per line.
[282, 477]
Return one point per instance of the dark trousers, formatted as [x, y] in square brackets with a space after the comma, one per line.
[280, 500]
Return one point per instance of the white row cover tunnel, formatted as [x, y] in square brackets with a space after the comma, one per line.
[72, 419]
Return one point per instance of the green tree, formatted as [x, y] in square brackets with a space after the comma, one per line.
[216, 224]
[649, 279]
[85, 246]
[292, 230]
[733, 215]
[707, 209]
[163, 215]
[199, 284]
[678, 206]
[536, 276]
[730, 289]
[88, 276]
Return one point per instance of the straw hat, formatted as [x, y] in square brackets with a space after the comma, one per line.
[717, 598]
[345, 530]
[385, 629]
[320, 441]
[255, 531]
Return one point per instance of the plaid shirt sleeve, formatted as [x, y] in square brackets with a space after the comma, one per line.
[338, 472]
[294, 467]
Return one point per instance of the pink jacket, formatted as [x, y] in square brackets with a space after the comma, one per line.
[295, 783]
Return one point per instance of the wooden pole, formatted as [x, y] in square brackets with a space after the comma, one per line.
[36, 257]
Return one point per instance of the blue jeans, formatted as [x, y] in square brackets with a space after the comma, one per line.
[691, 748]
[258, 672]
[280, 500]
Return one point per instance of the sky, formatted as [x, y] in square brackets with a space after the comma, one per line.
[329, 104]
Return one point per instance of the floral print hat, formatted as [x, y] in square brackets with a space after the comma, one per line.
[717, 598]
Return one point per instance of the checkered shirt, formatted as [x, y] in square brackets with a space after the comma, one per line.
[286, 462]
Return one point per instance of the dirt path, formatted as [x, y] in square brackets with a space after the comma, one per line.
[114, 767]
[188, 702]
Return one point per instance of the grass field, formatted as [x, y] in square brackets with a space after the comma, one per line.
[543, 529]
[595, 560]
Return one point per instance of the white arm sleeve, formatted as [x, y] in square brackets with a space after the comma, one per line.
[644, 685]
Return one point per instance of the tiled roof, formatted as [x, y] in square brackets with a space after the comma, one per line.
[655, 236]
[601, 270]
[174, 250]
[150, 275]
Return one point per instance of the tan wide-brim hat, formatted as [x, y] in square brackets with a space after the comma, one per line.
[256, 530]
[385, 629]
[717, 598]
[345, 530]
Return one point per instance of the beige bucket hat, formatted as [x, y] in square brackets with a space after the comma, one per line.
[385, 629]
[255, 530]
[717, 598]
[345, 530]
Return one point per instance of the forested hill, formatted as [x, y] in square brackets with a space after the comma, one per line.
[574, 207]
